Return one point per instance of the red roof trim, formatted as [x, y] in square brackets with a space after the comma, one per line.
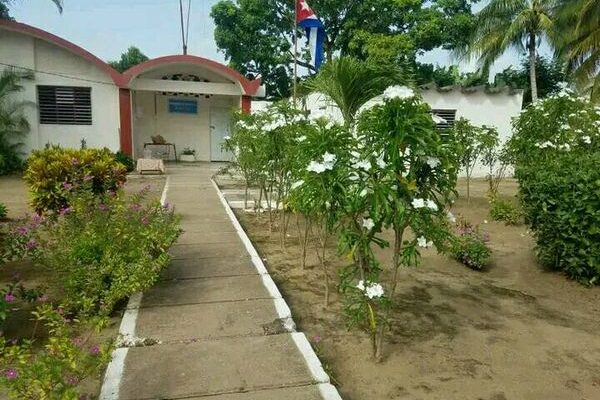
[250, 87]
[73, 48]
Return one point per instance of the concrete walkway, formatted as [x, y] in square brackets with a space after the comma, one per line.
[218, 316]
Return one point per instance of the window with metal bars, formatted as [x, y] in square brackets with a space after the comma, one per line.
[65, 105]
[449, 117]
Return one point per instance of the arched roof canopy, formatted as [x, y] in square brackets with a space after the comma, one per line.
[25, 29]
[248, 87]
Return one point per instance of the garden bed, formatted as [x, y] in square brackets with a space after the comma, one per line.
[20, 324]
[513, 331]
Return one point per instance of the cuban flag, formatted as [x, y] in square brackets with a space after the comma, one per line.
[315, 31]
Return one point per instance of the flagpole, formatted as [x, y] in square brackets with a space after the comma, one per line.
[295, 95]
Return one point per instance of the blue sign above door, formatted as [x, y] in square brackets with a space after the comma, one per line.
[183, 106]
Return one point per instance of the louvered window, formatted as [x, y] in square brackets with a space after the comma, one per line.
[65, 105]
[448, 115]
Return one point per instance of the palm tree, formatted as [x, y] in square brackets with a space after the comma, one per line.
[4, 8]
[350, 83]
[579, 42]
[13, 123]
[511, 24]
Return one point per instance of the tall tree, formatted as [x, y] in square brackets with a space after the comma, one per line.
[256, 35]
[511, 24]
[579, 41]
[133, 56]
[4, 14]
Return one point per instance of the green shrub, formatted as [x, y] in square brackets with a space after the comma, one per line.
[3, 211]
[469, 247]
[503, 210]
[55, 370]
[561, 200]
[55, 172]
[108, 247]
[126, 160]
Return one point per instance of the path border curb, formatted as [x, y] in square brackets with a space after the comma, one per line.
[328, 391]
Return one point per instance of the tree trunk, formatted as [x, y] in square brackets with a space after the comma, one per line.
[532, 67]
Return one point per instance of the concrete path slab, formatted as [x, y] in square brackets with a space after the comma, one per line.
[206, 321]
[209, 267]
[206, 290]
[216, 367]
[223, 328]
[208, 250]
[310, 392]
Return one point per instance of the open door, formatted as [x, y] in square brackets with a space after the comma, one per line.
[220, 128]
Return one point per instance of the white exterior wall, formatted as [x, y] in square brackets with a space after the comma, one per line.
[184, 130]
[50, 61]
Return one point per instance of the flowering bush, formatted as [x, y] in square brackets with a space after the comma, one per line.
[556, 150]
[469, 247]
[54, 371]
[108, 247]
[557, 124]
[561, 199]
[55, 172]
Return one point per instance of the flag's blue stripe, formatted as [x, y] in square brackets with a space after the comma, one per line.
[310, 23]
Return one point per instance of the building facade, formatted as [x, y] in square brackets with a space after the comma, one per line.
[74, 96]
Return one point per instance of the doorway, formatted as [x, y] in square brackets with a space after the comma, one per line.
[220, 128]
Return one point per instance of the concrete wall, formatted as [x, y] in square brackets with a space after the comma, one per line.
[151, 117]
[57, 66]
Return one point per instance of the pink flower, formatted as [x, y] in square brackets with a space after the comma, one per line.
[22, 231]
[78, 341]
[9, 297]
[145, 221]
[67, 186]
[31, 244]
[11, 374]
[88, 178]
[72, 380]
[317, 339]
[43, 298]
[135, 207]
[102, 207]
[64, 210]
[95, 350]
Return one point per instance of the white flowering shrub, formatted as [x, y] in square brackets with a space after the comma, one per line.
[556, 149]
[557, 124]
[401, 177]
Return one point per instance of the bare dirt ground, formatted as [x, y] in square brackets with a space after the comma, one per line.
[13, 193]
[513, 332]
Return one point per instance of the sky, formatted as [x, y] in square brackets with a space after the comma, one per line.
[107, 28]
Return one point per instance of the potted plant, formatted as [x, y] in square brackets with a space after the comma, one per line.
[188, 155]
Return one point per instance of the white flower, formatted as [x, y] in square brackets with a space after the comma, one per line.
[432, 205]
[329, 158]
[451, 217]
[422, 242]
[586, 139]
[485, 221]
[433, 162]
[380, 162]
[361, 285]
[301, 139]
[437, 119]
[545, 145]
[418, 203]
[565, 147]
[363, 164]
[368, 223]
[400, 92]
[297, 184]
[316, 167]
[374, 291]
[226, 137]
